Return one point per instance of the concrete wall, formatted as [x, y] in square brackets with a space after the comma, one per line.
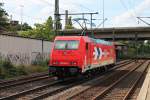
[21, 50]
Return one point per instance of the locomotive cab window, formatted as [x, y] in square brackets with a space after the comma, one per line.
[66, 44]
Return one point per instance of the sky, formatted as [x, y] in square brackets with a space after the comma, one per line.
[119, 13]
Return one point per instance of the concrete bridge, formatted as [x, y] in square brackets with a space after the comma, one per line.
[116, 33]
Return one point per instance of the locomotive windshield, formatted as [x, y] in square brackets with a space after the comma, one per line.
[66, 44]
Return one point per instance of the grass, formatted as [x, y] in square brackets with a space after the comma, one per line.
[8, 70]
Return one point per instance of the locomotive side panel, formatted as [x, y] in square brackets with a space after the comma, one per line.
[100, 55]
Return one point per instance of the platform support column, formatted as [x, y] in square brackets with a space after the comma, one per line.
[136, 44]
[113, 35]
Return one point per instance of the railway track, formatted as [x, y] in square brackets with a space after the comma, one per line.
[83, 87]
[18, 83]
[136, 90]
[21, 80]
[23, 86]
[123, 61]
[123, 87]
[46, 94]
[1, 80]
[108, 90]
[47, 89]
[50, 88]
[86, 91]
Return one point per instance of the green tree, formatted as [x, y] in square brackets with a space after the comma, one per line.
[44, 31]
[17, 27]
[3, 17]
[6, 25]
[48, 26]
[69, 24]
[26, 27]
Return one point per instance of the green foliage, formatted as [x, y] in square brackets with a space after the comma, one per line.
[8, 70]
[26, 27]
[18, 27]
[69, 25]
[34, 69]
[135, 49]
[44, 31]
[40, 62]
[14, 28]
[138, 49]
[3, 17]
[5, 24]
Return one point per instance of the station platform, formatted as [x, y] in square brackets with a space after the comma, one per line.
[144, 93]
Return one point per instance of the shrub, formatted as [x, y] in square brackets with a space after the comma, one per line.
[8, 70]
[40, 62]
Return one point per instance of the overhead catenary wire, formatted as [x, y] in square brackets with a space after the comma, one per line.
[2, 1]
[140, 18]
[45, 1]
[75, 3]
[82, 6]
[103, 13]
[130, 11]
[124, 5]
[48, 3]
[51, 4]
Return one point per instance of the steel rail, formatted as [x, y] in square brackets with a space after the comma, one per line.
[24, 82]
[135, 83]
[39, 97]
[101, 94]
[16, 95]
[102, 78]
[23, 78]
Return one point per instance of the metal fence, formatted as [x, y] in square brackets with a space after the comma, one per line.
[21, 50]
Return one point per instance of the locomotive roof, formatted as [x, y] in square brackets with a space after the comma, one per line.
[68, 37]
[85, 38]
[102, 41]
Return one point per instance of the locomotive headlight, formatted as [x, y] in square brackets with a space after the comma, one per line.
[55, 62]
[73, 63]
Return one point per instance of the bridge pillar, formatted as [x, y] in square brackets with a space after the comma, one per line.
[113, 37]
[136, 43]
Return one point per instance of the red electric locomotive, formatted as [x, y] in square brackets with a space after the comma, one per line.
[73, 55]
